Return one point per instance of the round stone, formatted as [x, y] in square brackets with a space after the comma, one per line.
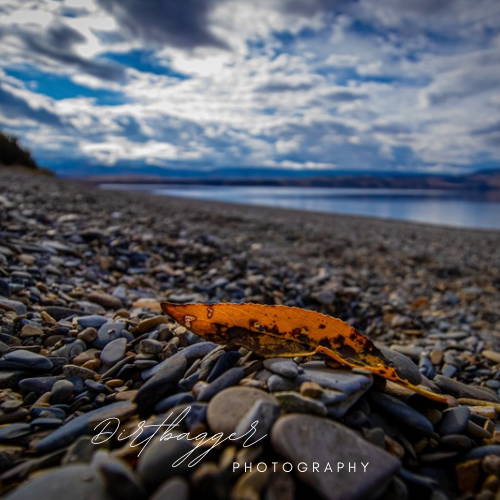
[228, 407]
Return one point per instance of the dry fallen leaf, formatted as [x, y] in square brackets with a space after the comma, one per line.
[273, 331]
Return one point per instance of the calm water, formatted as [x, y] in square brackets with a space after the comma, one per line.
[463, 209]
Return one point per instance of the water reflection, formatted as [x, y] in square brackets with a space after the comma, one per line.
[454, 208]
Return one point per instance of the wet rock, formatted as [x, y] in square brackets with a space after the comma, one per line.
[281, 366]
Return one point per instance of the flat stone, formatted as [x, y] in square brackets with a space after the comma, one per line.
[73, 482]
[227, 379]
[105, 300]
[93, 321]
[491, 355]
[38, 385]
[163, 381]
[13, 431]
[460, 390]
[293, 402]
[226, 361]
[13, 305]
[281, 366]
[59, 313]
[403, 365]
[401, 412]
[108, 332]
[25, 360]
[190, 353]
[308, 439]
[174, 400]
[84, 424]
[229, 406]
[114, 351]
[454, 421]
[147, 325]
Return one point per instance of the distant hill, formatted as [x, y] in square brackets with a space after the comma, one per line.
[477, 181]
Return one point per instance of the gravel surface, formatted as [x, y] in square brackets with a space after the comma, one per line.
[82, 339]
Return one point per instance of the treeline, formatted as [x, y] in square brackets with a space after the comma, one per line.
[12, 154]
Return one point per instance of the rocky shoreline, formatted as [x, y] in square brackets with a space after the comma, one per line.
[83, 339]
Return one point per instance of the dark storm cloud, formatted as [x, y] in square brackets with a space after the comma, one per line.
[345, 96]
[311, 7]
[180, 23]
[283, 86]
[57, 42]
[15, 107]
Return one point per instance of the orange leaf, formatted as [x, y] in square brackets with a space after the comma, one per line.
[273, 331]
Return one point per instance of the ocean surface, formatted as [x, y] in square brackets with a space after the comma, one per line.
[444, 207]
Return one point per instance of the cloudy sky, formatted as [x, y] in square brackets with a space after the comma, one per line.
[313, 85]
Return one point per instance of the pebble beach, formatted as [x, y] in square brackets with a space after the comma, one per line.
[83, 339]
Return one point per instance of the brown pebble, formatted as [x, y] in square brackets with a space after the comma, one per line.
[468, 475]
[47, 318]
[147, 325]
[434, 416]
[491, 355]
[492, 483]
[85, 356]
[436, 356]
[394, 448]
[105, 300]
[126, 395]
[30, 331]
[491, 464]
[79, 371]
[115, 382]
[311, 389]
[88, 335]
[122, 313]
[93, 364]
